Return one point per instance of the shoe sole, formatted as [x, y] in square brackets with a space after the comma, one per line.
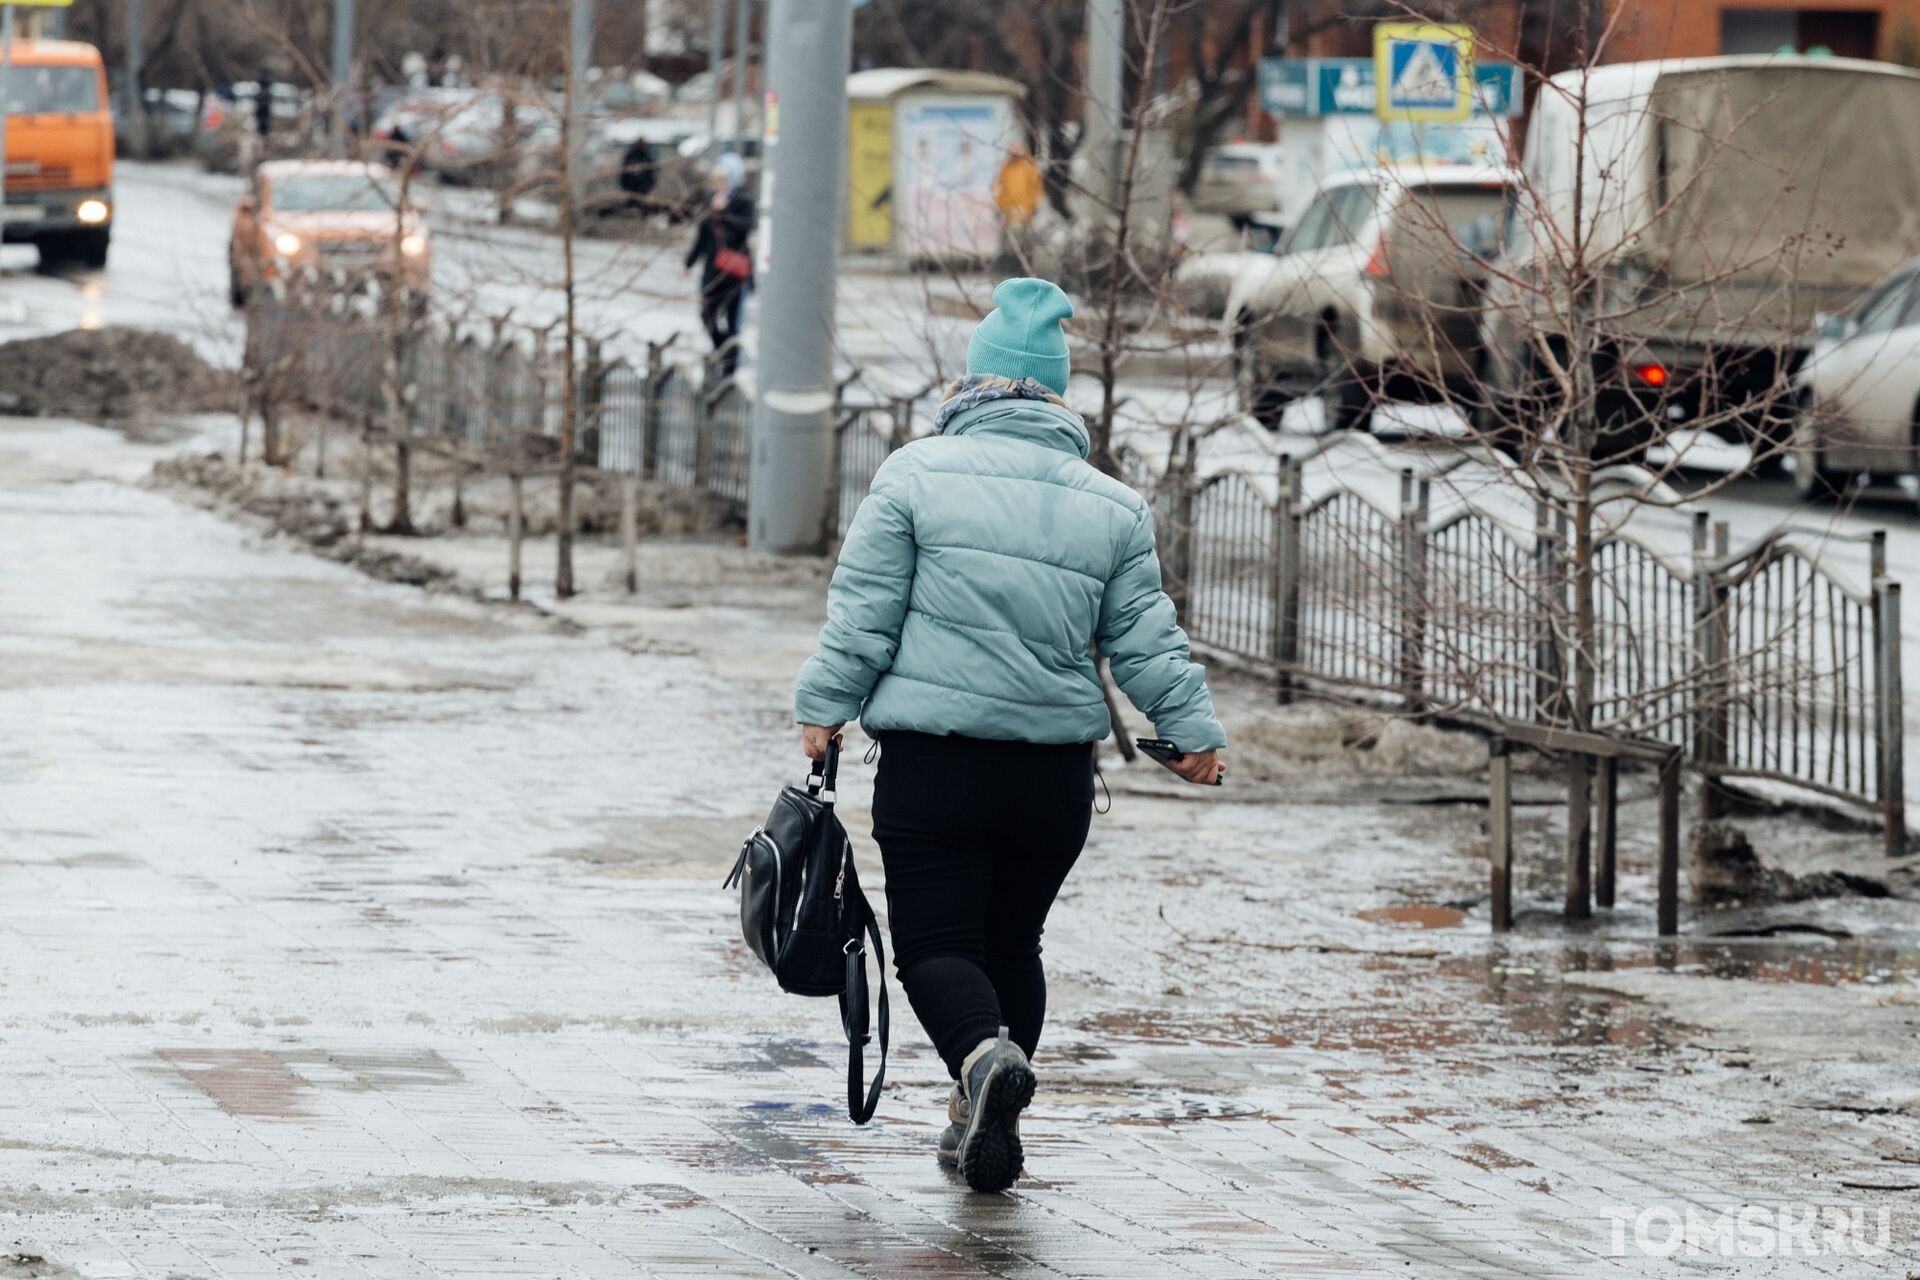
[990, 1155]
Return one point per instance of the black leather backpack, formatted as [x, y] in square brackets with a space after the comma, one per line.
[802, 912]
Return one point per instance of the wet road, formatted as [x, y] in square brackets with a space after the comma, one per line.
[168, 270]
[366, 933]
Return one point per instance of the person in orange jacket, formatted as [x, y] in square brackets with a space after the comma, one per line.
[1016, 192]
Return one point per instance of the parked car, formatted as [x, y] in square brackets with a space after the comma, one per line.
[1372, 284]
[229, 134]
[1857, 397]
[173, 120]
[484, 135]
[1239, 179]
[407, 121]
[1202, 280]
[330, 214]
[681, 186]
[1718, 216]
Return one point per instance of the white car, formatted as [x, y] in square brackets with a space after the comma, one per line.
[1375, 283]
[1240, 179]
[1858, 394]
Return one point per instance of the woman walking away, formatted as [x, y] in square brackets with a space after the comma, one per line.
[726, 260]
[975, 576]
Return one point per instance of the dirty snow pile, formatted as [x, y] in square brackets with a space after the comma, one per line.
[301, 510]
[107, 374]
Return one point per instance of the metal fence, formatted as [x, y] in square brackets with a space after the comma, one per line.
[1767, 662]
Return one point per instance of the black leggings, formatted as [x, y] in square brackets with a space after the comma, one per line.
[720, 313]
[977, 838]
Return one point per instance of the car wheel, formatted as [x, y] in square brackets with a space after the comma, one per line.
[1624, 428]
[1258, 396]
[56, 251]
[1812, 482]
[90, 247]
[1344, 388]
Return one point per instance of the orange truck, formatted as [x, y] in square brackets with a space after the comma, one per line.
[59, 152]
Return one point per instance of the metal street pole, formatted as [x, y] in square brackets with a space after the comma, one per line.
[342, 71]
[579, 62]
[134, 106]
[6, 89]
[804, 155]
[742, 36]
[1100, 139]
[716, 41]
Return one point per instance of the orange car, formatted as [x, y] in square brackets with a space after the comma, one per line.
[59, 160]
[329, 214]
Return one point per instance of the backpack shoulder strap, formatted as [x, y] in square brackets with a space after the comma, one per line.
[853, 1016]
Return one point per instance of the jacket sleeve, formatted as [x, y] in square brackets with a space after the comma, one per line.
[699, 247]
[1142, 641]
[866, 604]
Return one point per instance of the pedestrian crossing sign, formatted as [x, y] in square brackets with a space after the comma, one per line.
[1423, 71]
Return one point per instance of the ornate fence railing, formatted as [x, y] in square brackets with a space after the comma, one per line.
[1768, 662]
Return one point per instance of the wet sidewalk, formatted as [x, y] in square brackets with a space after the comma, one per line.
[351, 931]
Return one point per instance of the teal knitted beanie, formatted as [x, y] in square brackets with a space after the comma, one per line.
[1021, 338]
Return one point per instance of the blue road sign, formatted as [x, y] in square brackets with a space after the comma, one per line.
[1345, 87]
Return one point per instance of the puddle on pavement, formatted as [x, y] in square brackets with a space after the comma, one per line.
[241, 1082]
[255, 1082]
[1812, 961]
[1424, 915]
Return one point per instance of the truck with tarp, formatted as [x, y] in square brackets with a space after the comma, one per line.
[1693, 217]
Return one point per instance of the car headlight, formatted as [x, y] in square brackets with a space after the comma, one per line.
[92, 212]
[286, 244]
[413, 244]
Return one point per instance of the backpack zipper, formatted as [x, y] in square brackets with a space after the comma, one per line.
[799, 899]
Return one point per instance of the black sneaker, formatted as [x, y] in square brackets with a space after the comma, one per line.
[999, 1085]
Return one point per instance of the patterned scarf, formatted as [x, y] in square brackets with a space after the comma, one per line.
[971, 390]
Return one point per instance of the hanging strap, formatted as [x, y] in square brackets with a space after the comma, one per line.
[823, 775]
[853, 1016]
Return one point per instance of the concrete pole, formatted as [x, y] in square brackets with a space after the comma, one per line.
[802, 193]
[6, 78]
[579, 62]
[134, 107]
[716, 42]
[1100, 136]
[742, 37]
[342, 71]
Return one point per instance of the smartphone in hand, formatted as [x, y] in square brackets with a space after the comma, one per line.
[1165, 752]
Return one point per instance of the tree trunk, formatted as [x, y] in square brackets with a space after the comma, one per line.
[402, 521]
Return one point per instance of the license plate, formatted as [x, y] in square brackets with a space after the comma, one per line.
[23, 213]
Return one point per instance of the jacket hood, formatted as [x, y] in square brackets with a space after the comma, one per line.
[1039, 421]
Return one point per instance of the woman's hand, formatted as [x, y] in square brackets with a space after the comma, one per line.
[815, 737]
[1202, 767]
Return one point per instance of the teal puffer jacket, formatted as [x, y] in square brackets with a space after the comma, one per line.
[980, 567]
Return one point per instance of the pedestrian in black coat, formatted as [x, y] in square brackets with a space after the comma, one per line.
[723, 249]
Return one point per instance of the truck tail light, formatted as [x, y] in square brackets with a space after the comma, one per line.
[1377, 266]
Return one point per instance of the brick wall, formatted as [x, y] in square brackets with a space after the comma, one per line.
[1693, 28]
